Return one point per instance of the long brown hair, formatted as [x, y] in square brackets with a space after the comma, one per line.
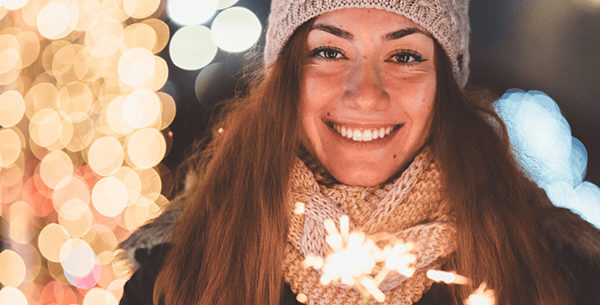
[227, 246]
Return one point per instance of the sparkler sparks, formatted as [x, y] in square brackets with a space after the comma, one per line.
[482, 296]
[355, 259]
[365, 261]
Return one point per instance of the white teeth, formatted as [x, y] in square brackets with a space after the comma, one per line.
[375, 133]
[367, 135]
[361, 134]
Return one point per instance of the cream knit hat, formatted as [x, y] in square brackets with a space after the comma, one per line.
[446, 20]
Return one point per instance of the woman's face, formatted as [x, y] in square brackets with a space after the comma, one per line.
[367, 93]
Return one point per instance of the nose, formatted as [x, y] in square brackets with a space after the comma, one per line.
[363, 88]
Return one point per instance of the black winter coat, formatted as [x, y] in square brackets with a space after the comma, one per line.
[575, 242]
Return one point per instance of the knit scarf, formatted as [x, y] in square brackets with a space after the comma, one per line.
[410, 207]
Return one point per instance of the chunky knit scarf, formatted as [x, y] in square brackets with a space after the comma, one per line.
[410, 207]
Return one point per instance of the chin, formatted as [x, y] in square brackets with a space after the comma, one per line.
[358, 177]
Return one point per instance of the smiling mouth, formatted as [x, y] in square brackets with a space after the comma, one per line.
[363, 134]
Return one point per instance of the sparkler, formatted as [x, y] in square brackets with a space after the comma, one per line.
[355, 259]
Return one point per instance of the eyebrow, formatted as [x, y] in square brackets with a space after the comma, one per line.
[348, 36]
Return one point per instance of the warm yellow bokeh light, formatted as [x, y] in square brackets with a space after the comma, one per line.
[75, 101]
[12, 296]
[76, 217]
[160, 76]
[104, 37]
[141, 108]
[139, 35]
[30, 47]
[12, 108]
[140, 8]
[89, 12]
[162, 33]
[114, 116]
[20, 228]
[14, 4]
[192, 47]
[169, 109]
[77, 257]
[139, 213]
[56, 169]
[45, 127]
[40, 96]
[76, 190]
[83, 135]
[104, 243]
[132, 183]
[13, 268]
[51, 239]
[136, 66]
[10, 147]
[10, 52]
[116, 287]
[105, 155]
[99, 296]
[146, 148]
[109, 196]
[57, 19]
[151, 183]
[236, 29]
[12, 174]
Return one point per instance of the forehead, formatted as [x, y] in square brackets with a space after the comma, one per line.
[371, 20]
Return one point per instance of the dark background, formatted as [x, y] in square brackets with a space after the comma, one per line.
[547, 45]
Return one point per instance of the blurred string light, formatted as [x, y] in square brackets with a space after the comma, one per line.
[84, 128]
[542, 142]
[194, 46]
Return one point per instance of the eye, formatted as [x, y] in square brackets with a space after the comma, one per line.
[328, 53]
[407, 57]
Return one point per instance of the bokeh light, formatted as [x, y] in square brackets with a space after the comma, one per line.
[99, 296]
[105, 155]
[236, 29]
[12, 296]
[13, 269]
[192, 48]
[56, 169]
[109, 196]
[51, 239]
[12, 108]
[14, 4]
[10, 147]
[140, 8]
[146, 147]
[57, 19]
[191, 12]
[77, 257]
[136, 66]
[79, 88]
[223, 4]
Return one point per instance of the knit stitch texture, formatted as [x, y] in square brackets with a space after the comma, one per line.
[410, 208]
[446, 20]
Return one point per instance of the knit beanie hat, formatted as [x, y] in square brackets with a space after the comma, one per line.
[446, 20]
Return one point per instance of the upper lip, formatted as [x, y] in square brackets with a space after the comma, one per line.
[359, 123]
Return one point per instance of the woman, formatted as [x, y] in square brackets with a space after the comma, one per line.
[362, 112]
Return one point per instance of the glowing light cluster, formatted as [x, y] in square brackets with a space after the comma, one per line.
[365, 261]
[542, 142]
[194, 46]
[84, 128]
[355, 257]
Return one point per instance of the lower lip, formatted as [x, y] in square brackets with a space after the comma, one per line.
[373, 143]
